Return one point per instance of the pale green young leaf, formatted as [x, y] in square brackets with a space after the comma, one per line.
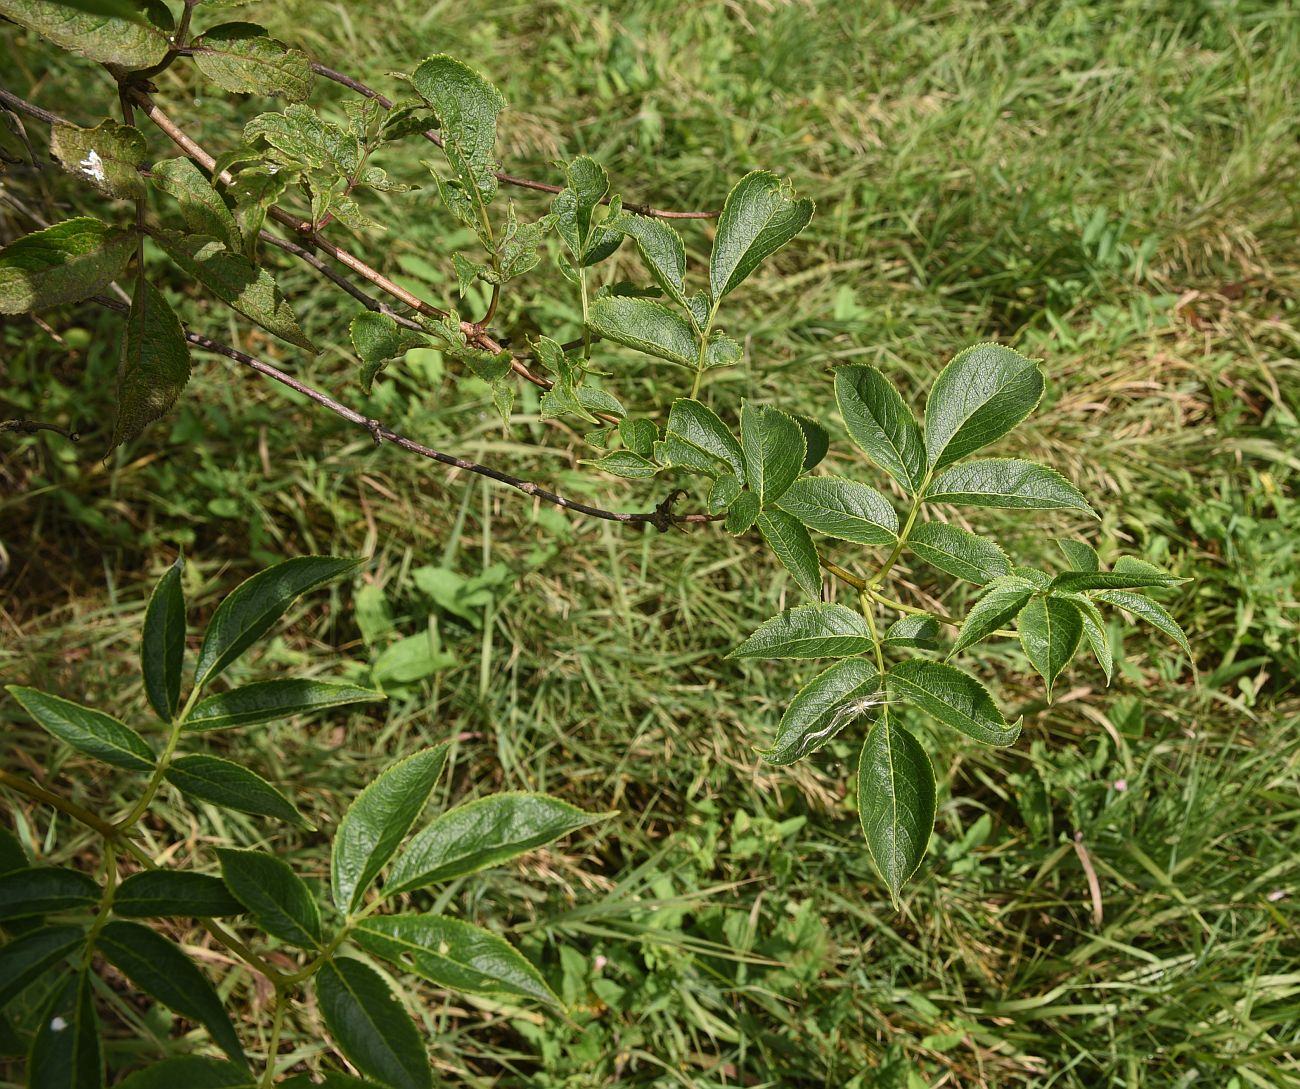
[882, 425]
[279, 899]
[174, 894]
[87, 730]
[954, 697]
[26, 957]
[228, 785]
[759, 216]
[1050, 630]
[980, 396]
[1008, 483]
[64, 263]
[662, 250]
[722, 351]
[774, 448]
[162, 645]
[370, 1025]
[639, 436]
[958, 552]
[66, 1052]
[645, 325]
[106, 38]
[843, 509]
[480, 834]
[273, 701]
[1003, 599]
[917, 630]
[709, 444]
[453, 954]
[160, 969]
[109, 156]
[791, 544]
[201, 205]
[377, 821]
[1152, 612]
[154, 366]
[822, 630]
[821, 709]
[1080, 555]
[242, 57]
[896, 802]
[249, 610]
[40, 890]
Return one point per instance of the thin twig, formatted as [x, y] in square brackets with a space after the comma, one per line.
[30, 427]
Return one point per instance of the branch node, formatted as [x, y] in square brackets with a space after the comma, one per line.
[376, 430]
[664, 519]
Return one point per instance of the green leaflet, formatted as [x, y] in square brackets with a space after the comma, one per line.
[723, 492]
[1006, 482]
[1152, 612]
[248, 611]
[882, 425]
[271, 701]
[742, 513]
[1003, 599]
[39, 890]
[953, 697]
[760, 216]
[483, 833]
[160, 969]
[155, 363]
[228, 785]
[817, 439]
[66, 1052]
[774, 448]
[201, 205]
[377, 821]
[1080, 555]
[701, 441]
[303, 141]
[242, 57]
[843, 509]
[574, 209]
[108, 156]
[64, 263]
[1050, 629]
[174, 894]
[279, 899]
[108, 39]
[957, 552]
[792, 545]
[377, 339]
[1073, 581]
[87, 730]
[980, 396]
[26, 957]
[809, 631]
[645, 325]
[626, 464]
[896, 802]
[1094, 630]
[639, 436]
[370, 1025]
[453, 954]
[191, 1072]
[821, 709]
[662, 250]
[913, 631]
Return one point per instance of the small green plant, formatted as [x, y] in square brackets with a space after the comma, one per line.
[61, 923]
[753, 467]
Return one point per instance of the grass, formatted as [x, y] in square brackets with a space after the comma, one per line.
[1109, 185]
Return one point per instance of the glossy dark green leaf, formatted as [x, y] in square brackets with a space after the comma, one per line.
[370, 1026]
[954, 697]
[759, 216]
[1153, 613]
[809, 631]
[896, 802]
[843, 509]
[26, 957]
[86, 730]
[66, 1052]
[913, 631]
[647, 326]
[639, 436]
[228, 785]
[1094, 631]
[250, 610]
[662, 250]
[742, 514]
[880, 422]
[958, 552]
[723, 493]
[43, 889]
[174, 894]
[109, 39]
[774, 448]
[483, 833]
[189, 1072]
[232, 278]
[242, 57]
[791, 543]
[705, 441]
[822, 708]
[980, 396]
[162, 646]
[817, 441]
[1080, 555]
[160, 969]
[200, 204]
[155, 363]
[1002, 600]
[109, 156]
[273, 701]
[1006, 482]
[1050, 629]
[12, 855]
[377, 821]
[64, 263]
[1075, 581]
[452, 954]
[278, 898]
